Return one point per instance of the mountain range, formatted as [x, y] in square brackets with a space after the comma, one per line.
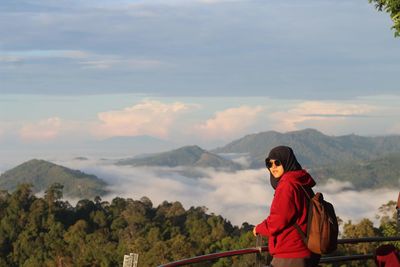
[313, 148]
[366, 162]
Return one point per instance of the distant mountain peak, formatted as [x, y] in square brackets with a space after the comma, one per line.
[193, 156]
[191, 148]
[306, 130]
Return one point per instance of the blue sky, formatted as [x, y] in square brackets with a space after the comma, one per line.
[290, 49]
[197, 71]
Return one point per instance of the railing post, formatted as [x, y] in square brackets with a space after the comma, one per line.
[131, 260]
[398, 214]
[258, 246]
[262, 260]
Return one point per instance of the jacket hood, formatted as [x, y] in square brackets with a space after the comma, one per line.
[286, 156]
[300, 177]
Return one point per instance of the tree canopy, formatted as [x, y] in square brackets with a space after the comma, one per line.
[48, 231]
[393, 8]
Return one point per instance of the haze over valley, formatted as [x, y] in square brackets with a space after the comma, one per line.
[230, 180]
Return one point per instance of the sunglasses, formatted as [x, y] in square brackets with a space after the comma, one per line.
[269, 163]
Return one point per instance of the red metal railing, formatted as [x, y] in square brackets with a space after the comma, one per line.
[214, 256]
[324, 259]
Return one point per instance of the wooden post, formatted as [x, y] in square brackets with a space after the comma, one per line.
[398, 214]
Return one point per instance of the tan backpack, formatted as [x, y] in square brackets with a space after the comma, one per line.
[322, 226]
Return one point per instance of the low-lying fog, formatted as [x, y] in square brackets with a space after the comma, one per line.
[243, 196]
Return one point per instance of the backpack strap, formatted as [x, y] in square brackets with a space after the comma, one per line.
[302, 234]
[308, 196]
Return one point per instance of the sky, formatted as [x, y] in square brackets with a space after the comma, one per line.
[290, 49]
[203, 72]
[194, 71]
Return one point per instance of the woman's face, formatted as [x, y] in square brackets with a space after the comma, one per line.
[276, 168]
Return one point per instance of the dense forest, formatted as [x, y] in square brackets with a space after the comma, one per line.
[48, 231]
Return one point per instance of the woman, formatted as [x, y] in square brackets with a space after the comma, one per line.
[288, 207]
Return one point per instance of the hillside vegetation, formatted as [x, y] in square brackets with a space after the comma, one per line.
[377, 173]
[313, 148]
[41, 174]
[49, 232]
[190, 156]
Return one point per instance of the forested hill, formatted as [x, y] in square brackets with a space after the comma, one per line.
[46, 231]
[41, 174]
[312, 147]
[377, 173]
[190, 156]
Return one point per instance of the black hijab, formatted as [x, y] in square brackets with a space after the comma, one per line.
[285, 155]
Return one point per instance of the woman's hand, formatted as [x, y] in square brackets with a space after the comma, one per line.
[254, 231]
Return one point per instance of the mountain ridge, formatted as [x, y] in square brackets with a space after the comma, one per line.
[41, 174]
[377, 173]
[189, 156]
[312, 147]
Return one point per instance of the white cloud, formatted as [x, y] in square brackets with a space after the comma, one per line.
[203, 125]
[86, 59]
[243, 159]
[355, 205]
[146, 118]
[317, 112]
[107, 63]
[43, 130]
[240, 196]
[10, 59]
[229, 123]
[18, 134]
[334, 186]
[32, 54]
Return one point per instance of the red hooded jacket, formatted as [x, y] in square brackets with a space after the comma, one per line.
[289, 206]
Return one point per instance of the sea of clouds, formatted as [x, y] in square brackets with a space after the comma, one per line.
[242, 196]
